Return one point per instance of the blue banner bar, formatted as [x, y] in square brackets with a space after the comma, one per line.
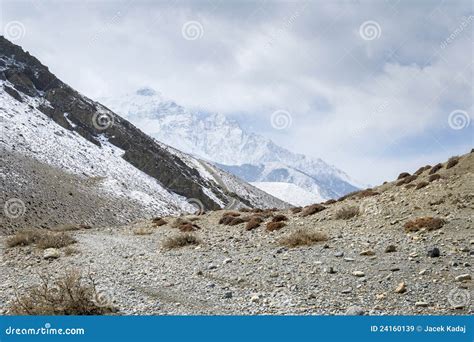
[240, 328]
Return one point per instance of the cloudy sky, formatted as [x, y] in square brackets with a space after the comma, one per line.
[374, 87]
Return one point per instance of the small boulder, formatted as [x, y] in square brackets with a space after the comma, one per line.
[51, 253]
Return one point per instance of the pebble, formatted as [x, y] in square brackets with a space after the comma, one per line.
[339, 254]
[367, 252]
[390, 249]
[329, 270]
[51, 253]
[434, 252]
[228, 295]
[227, 261]
[349, 259]
[421, 304]
[255, 298]
[463, 277]
[423, 272]
[358, 274]
[211, 267]
[347, 290]
[355, 311]
[401, 288]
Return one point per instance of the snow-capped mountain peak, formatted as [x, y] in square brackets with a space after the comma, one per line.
[216, 138]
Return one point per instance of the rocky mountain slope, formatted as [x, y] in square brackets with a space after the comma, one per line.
[216, 138]
[45, 120]
[405, 247]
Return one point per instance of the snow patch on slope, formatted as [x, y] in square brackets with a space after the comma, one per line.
[289, 192]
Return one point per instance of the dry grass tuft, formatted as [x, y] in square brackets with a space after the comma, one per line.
[436, 168]
[252, 224]
[312, 209]
[188, 227]
[71, 294]
[181, 240]
[421, 185]
[434, 177]
[279, 218]
[347, 213]
[41, 237]
[296, 210]
[428, 223]
[453, 161]
[159, 221]
[406, 180]
[303, 237]
[272, 226]
[403, 175]
[69, 250]
[142, 231]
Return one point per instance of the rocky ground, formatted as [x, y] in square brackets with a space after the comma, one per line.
[369, 264]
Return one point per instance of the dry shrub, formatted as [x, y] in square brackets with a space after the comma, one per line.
[403, 175]
[226, 220]
[410, 186]
[181, 240]
[422, 169]
[303, 237]
[347, 213]
[159, 221]
[272, 226]
[252, 224]
[245, 210]
[237, 220]
[178, 222]
[296, 210]
[429, 223]
[279, 218]
[453, 161]
[189, 227]
[436, 168]
[257, 210]
[366, 193]
[312, 209]
[330, 201]
[42, 238]
[434, 177]
[231, 213]
[406, 180]
[71, 294]
[421, 185]
[24, 237]
[142, 231]
[69, 250]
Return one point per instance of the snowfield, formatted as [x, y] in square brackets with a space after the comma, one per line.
[289, 192]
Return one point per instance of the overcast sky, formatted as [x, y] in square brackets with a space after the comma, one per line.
[374, 87]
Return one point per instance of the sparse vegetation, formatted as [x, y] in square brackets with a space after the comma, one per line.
[453, 161]
[178, 222]
[41, 237]
[272, 226]
[303, 237]
[181, 240]
[312, 209]
[330, 201]
[69, 250]
[428, 223]
[421, 184]
[188, 227]
[436, 168]
[142, 231]
[406, 180]
[296, 210]
[422, 169]
[279, 218]
[72, 294]
[347, 213]
[159, 221]
[434, 177]
[403, 175]
[253, 224]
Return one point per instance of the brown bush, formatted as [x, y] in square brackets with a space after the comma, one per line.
[429, 223]
[181, 240]
[226, 220]
[366, 193]
[237, 220]
[279, 218]
[24, 237]
[422, 169]
[178, 222]
[41, 237]
[303, 237]
[330, 201]
[245, 210]
[403, 175]
[272, 226]
[410, 186]
[434, 177]
[257, 210]
[189, 227]
[252, 224]
[72, 294]
[421, 184]
[231, 213]
[347, 213]
[296, 210]
[453, 161]
[159, 221]
[436, 168]
[312, 209]
[406, 180]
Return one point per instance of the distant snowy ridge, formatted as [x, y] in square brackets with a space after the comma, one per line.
[215, 138]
